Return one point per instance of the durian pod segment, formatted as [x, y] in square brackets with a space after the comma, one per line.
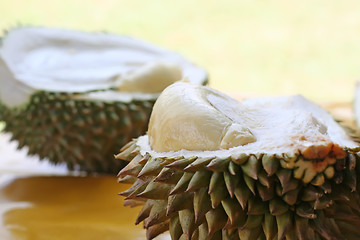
[289, 171]
[77, 97]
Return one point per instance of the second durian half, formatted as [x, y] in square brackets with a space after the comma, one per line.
[211, 167]
[77, 97]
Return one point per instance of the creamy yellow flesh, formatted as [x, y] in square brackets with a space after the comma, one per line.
[184, 118]
[194, 118]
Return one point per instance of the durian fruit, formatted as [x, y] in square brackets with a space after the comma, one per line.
[211, 167]
[77, 97]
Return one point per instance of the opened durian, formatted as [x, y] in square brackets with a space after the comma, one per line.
[211, 167]
[78, 97]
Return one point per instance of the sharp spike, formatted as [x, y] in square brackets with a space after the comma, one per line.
[305, 211]
[269, 226]
[301, 228]
[250, 183]
[183, 183]
[181, 163]
[234, 212]
[284, 223]
[145, 211]
[178, 202]
[265, 193]
[256, 207]
[199, 180]
[152, 168]
[252, 221]
[175, 228]
[231, 182]
[157, 214]
[246, 234]
[133, 168]
[187, 222]
[169, 176]
[233, 168]
[155, 191]
[217, 189]
[310, 194]
[251, 167]
[138, 184]
[198, 165]
[240, 159]
[286, 180]
[270, 164]
[216, 219]
[156, 230]
[264, 179]
[202, 204]
[277, 207]
[230, 235]
[218, 164]
[242, 194]
[291, 197]
[127, 179]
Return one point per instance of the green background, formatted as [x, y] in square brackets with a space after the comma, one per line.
[249, 47]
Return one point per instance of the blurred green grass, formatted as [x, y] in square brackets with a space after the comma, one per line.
[248, 47]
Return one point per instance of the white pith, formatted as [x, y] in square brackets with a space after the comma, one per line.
[35, 58]
[286, 125]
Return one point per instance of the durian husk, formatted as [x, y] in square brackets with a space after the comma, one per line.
[245, 196]
[82, 133]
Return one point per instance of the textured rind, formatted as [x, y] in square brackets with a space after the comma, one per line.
[83, 133]
[244, 197]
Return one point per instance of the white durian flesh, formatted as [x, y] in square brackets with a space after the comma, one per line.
[60, 88]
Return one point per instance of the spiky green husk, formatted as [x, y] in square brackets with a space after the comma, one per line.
[244, 197]
[85, 134]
